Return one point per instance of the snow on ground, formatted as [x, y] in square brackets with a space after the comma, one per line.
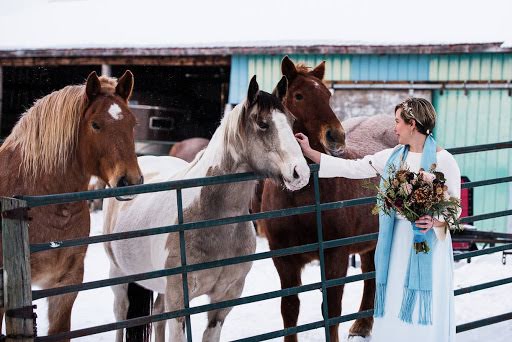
[94, 307]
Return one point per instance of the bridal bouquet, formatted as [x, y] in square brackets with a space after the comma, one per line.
[415, 194]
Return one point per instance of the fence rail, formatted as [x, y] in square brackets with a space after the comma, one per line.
[184, 269]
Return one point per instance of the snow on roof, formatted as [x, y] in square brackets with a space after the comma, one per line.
[71, 24]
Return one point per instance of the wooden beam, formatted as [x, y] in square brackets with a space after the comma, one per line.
[119, 60]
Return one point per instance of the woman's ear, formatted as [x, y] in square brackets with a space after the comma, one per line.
[413, 124]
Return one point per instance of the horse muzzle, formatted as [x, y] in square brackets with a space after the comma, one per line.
[299, 177]
[122, 182]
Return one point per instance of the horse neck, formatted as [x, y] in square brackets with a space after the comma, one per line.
[71, 178]
[217, 160]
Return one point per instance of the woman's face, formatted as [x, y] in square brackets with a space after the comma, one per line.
[402, 129]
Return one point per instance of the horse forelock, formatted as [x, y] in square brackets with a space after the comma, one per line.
[46, 135]
[302, 69]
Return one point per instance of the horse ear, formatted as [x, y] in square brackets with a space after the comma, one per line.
[288, 68]
[252, 93]
[319, 71]
[281, 89]
[125, 85]
[92, 86]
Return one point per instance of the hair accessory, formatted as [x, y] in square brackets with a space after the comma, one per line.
[406, 108]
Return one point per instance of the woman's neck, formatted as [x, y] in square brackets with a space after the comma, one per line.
[416, 143]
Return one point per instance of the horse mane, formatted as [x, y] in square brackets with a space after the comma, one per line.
[46, 134]
[302, 69]
[232, 128]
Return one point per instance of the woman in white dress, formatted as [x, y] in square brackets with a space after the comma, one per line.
[412, 303]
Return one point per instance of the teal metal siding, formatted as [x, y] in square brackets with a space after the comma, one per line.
[479, 117]
[238, 81]
[390, 67]
[461, 67]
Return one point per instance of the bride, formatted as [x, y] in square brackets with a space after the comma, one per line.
[414, 299]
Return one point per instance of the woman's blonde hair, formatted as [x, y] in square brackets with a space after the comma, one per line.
[419, 110]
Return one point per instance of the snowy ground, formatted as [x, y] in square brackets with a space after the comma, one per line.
[94, 307]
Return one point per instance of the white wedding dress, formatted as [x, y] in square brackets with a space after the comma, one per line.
[390, 328]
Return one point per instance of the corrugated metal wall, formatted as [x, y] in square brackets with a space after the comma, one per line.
[478, 117]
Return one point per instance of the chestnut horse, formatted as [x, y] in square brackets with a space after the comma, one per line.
[57, 145]
[308, 99]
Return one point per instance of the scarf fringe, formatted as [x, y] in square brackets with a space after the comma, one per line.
[425, 314]
[407, 308]
[380, 296]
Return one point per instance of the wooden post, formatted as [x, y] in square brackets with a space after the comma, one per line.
[19, 316]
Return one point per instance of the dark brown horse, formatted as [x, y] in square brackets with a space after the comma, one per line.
[57, 145]
[308, 99]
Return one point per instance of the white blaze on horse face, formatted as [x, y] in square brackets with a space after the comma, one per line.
[291, 154]
[115, 111]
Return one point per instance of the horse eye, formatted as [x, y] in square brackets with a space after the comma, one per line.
[299, 97]
[95, 126]
[263, 125]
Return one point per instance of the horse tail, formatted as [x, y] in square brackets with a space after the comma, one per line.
[140, 303]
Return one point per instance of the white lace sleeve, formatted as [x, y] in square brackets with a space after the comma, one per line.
[354, 169]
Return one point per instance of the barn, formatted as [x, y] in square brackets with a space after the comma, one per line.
[192, 60]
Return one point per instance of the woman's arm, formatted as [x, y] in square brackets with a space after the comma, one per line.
[338, 167]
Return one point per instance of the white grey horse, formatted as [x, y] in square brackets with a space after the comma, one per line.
[255, 136]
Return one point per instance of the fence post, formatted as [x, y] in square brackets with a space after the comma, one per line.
[319, 227]
[19, 315]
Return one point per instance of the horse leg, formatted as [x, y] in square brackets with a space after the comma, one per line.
[159, 308]
[336, 264]
[174, 302]
[363, 326]
[289, 274]
[120, 306]
[59, 307]
[216, 317]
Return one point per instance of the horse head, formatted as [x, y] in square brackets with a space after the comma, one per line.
[308, 100]
[270, 147]
[106, 140]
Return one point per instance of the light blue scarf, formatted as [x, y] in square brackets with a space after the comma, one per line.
[418, 280]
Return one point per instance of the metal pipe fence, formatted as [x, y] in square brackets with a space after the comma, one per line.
[184, 269]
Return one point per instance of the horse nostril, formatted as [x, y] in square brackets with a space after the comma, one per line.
[123, 181]
[141, 180]
[295, 174]
[329, 137]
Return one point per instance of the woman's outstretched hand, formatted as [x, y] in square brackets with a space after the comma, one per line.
[303, 141]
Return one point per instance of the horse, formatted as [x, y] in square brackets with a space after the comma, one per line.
[188, 148]
[56, 146]
[308, 100]
[255, 136]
